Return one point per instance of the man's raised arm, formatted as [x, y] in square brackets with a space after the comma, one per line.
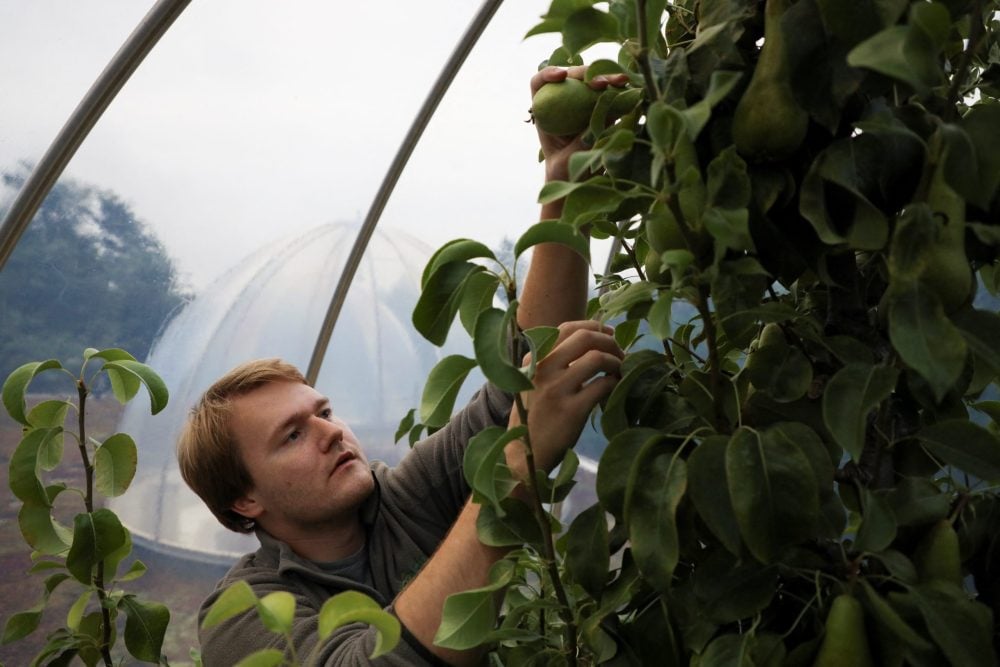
[579, 372]
[555, 290]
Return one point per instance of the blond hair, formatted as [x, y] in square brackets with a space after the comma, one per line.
[207, 452]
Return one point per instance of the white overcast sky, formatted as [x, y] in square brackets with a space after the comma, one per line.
[252, 119]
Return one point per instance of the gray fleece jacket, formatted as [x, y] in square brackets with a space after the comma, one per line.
[406, 518]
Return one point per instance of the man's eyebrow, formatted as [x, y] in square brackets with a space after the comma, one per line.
[296, 417]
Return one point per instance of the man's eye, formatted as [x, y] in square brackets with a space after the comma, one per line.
[326, 413]
[293, 436]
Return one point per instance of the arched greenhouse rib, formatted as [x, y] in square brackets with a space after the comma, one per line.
[154, 24]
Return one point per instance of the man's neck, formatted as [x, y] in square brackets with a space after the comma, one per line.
[324, 543]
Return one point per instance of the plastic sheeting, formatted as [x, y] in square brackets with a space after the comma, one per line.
[271, 305]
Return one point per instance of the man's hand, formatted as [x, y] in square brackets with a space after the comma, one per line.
[558, 149]
[579, 372]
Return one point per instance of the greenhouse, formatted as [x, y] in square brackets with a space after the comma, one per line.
[740, 410]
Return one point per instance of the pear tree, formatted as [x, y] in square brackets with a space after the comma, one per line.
[803, 453]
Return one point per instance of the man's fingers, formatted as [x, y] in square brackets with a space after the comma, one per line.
[587, 366]
[578, 342]
[598, 389]
[546, 75]
[566, 329]
[553, 74]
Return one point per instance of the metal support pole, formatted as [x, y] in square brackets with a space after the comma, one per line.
[142, 40]
[451, 68]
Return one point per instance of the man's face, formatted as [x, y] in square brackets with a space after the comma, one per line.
[307, 467]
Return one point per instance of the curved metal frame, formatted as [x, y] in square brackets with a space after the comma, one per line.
[121, 67]
[465, 45]
[90, 109]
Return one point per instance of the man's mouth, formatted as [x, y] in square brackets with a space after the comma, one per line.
[344, 457]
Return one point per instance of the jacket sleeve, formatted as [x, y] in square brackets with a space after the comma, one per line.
[429, 482]
[348, 646]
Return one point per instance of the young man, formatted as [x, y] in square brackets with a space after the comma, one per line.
[266, 453]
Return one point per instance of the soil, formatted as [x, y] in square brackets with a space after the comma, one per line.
[178, 583]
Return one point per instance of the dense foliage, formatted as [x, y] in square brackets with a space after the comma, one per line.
[804, 471]
[86, 270]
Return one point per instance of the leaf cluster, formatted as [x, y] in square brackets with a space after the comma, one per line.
[810, 385]
[89, 554]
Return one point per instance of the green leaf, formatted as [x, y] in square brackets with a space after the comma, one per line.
[124, 386]
[554, 190]
[158, 394]
[878, 525]
[457, 250]
[887, 616]
[981, 330]
[907, 53]
[659, 315]
[706, 467]
[49, 414]
[651, 509]
[75, 613]
[587, 555]
[961, 627]
[266, 657]
[469, 616]
[541, 340]
[774, 492]
[732, 588]
[114, 464]
[850, 396]
[16, 384]
[616, 462]
[41, 531]
[917, 501]
[145, 625]
[24, 465]
[515, 528]
[490, 344]
[836, 183]
[666, 126]
[277, 611]
[95, 535]
[925, 338]
[615, 418]
[443, 384]
[553, 231]
[114, 559]
[728, 181]
[20, 625]
[485, 466]
[441, 298]
[781, 371]
[586, 27]
[965, 445]
[478, 295]
[236, 599]
[621, 299]
[136, 570]
[405, 424]
[720, 85]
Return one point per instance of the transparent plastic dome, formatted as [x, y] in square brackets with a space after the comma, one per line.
[272, 305]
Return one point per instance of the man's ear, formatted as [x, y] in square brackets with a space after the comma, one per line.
[247, 506]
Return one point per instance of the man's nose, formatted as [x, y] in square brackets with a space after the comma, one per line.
[330, 433]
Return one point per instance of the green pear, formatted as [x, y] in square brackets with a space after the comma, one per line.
[845, 643]
[947, 272]
[563, 108]
[938, 557]
[768, 123]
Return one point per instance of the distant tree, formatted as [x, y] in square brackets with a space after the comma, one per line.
[86, 272]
